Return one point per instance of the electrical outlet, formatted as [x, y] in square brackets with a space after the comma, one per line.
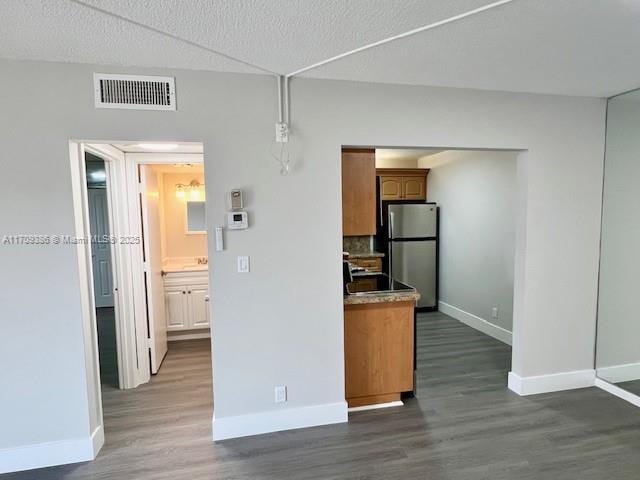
[243, 264]
[282, 133]
[494, 312]
[281, 393]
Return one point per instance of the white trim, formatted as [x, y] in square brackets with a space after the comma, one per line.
[376, 406]
[278, 420]
[619, 373]
[618, 392]
[186, 336]
[49, 454]
[97, 440]
[477, 323]
[554, 382]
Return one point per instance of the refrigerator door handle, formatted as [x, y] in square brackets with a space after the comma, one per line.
[390, 225]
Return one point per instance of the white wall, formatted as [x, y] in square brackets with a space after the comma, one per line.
[273, 326]
[618, 325]
[476, 192]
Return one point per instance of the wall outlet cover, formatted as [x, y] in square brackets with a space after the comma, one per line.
[281, 393]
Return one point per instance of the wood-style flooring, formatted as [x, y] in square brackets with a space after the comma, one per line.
[464, 424]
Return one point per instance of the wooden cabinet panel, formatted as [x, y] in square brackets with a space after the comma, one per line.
[379, 342]
[414, 188]
[403, 184]
[373, 264]
[358, 192]
[198, 307]
[175, 300]
[390, 188]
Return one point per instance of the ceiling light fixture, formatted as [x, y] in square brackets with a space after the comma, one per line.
[158, 147]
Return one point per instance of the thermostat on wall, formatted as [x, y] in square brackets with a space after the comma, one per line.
[237, 220]
[235, 200]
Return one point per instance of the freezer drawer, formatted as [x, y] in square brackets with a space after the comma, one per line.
[413, 220]
[415, 263]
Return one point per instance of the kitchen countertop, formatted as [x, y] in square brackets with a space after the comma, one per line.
[371, 254]
[382, 297]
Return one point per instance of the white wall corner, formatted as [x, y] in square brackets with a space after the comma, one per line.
[278, 420]
[477, 323]
[555, 382]
[50, 454]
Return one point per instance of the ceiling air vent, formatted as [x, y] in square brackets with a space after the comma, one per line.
[136, 92]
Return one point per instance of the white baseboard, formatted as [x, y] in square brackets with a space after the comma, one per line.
[376, 406]
[187, 336]
[476, 322]
[555, 382]
[620, 373]
[618, 392]
[278, 420]
[50, 454]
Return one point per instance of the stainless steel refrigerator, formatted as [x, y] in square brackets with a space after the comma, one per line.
[413, 248]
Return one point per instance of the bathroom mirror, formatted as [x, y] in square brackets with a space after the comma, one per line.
[196, 219]
[618, 333]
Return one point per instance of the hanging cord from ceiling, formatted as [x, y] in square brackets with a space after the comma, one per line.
[280, 148]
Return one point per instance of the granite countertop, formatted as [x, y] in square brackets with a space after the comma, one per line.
[370, 254]
[382, 297]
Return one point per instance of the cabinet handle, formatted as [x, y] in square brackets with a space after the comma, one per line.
[183, 292]
[189, 292]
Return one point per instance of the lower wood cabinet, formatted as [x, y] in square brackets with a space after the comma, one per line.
[378, 352]
[186, 298]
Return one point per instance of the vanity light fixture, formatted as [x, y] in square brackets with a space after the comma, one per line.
[195, 189]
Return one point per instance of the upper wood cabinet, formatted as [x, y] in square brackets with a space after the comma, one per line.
[358, 192]
[403, 184]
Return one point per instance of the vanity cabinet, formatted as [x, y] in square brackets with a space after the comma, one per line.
[186, 298]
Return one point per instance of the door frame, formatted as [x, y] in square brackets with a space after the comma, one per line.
[132, 162]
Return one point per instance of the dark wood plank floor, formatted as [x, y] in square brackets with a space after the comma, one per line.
[463, 424]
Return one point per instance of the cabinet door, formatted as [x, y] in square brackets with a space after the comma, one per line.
[414, 188]
[390, 188]
[198, 311]
[175, 301]
[359, 192]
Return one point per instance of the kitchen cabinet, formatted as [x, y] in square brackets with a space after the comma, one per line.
[403, 184]
[378, 352]
[358, 192]
[186, 296]
[373, 264]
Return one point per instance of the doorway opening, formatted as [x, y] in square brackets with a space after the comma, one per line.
[443, 223]
[144, 263]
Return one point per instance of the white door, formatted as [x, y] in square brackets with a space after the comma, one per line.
[100, 247]
[198, 298]
[151, 227]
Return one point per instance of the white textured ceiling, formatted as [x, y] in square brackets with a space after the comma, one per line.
[575, 47]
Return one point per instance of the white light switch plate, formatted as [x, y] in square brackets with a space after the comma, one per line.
[243, 264]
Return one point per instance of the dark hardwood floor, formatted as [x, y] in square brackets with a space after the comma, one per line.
[107, 347]
[463, 424]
